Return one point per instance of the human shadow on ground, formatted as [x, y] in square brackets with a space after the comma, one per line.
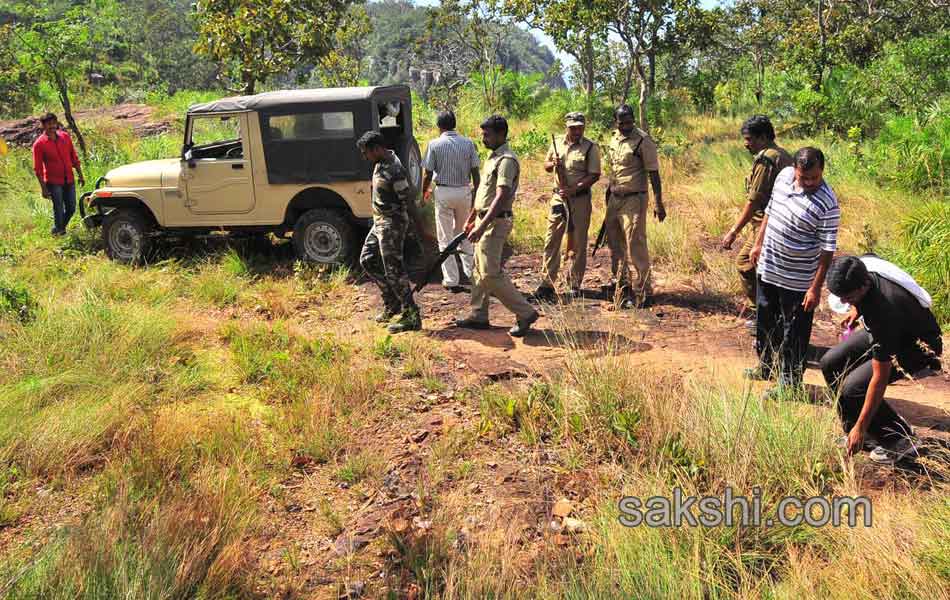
[613, 343]
[494, 337]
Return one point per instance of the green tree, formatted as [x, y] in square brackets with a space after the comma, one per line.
[54, 41]
[477, 31]
[253, 40]
[577, 29]
[344, 64]
[18, 86]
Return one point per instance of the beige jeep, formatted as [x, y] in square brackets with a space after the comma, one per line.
[283, 162]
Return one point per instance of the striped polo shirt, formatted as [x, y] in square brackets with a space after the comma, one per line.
[799, 228]
[451, 157]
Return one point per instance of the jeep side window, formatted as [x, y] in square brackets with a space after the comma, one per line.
[310, 126]
[216, 137]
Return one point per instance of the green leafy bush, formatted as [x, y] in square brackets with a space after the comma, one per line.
[922, 252]
[16, 302]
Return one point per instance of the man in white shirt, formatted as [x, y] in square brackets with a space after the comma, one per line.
[452, 160]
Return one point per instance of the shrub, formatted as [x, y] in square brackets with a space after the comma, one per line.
[16, 302]
[922, 252]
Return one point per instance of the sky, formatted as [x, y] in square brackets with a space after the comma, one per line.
[566, 59]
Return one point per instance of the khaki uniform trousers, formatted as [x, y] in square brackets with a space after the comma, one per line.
[627, 238]
[488, 279]
[744, 264]
[557, 226]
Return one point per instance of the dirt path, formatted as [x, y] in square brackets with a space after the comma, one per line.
[510, 488]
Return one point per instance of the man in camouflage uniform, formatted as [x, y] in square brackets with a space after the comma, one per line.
[633, 161]
[382, 255]
[770, 159]
[580, 159]
[489, 226]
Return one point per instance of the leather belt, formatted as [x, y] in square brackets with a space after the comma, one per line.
[580, 194]
[625, 194]
[504, 214]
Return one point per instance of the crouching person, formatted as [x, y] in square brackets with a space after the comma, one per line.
[900, 337]
[382, 255]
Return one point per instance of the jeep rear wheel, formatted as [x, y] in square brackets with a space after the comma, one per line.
[124, 234]
[324, 236]
[413, 162]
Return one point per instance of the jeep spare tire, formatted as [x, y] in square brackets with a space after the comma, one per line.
[124, 232]
[324, 236]
[412, 162]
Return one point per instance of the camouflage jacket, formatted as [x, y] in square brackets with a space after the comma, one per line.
[392, 192]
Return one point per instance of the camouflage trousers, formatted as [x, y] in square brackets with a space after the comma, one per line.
[382, 259]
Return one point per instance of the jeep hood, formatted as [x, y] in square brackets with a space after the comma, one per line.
[147, 174]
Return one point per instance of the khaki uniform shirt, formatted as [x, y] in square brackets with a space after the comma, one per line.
[501, 168]
[765, 167]
[580, 159]
[629, 163]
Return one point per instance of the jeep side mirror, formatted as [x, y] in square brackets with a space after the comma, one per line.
[189, 158]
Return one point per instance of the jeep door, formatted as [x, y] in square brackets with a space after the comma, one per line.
[217, 172]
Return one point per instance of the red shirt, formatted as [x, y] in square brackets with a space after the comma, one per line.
[54, 159]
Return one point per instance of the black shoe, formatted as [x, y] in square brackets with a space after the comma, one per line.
[543, 294]
[57, 232]
[523, 326]
[410, 320]
[456, 289]
[470, 323]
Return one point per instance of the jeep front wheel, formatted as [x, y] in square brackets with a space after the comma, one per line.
[124, 234]
[324, 236]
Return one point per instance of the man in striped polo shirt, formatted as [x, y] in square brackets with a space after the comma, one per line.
[453, 160]
[793, 251]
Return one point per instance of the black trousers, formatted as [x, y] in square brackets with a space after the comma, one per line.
[782, 331]
[847, 370]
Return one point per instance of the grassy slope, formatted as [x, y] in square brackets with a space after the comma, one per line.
[149, 416]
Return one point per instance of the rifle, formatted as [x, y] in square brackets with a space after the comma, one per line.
[450, 251]
[602, 233]
[561, 175]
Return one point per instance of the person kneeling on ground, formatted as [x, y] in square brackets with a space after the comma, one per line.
[900, 337]
[382, 255]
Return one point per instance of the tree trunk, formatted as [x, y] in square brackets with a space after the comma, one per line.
[249, 81]
[589, 72]
[759, 77]
[63, 90]
[644, 93]
[822, 54]
[651, 65]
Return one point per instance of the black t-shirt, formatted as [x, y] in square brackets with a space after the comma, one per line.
[897, 321]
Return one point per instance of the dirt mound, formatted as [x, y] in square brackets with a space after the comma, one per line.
[138, 117]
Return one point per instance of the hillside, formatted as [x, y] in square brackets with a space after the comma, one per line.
[398, 25]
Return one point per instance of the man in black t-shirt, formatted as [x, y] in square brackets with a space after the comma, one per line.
[901, 336]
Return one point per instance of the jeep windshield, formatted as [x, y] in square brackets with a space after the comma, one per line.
[214, 136]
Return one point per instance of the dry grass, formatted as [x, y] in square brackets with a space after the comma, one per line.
[169, 403]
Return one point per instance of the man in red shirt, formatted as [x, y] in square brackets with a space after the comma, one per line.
[54, 159]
